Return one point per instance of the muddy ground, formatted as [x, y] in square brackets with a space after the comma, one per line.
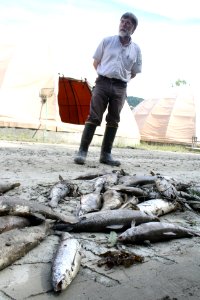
[171, 270]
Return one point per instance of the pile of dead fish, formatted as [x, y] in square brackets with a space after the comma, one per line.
[129, 205]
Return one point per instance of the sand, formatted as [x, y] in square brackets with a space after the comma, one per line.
[171, 270]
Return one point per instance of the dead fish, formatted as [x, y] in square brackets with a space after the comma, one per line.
[59, 190]
[90, 176]
[99, 184]
[10, 222]
[158, 207]
[195, 205]
[15, 243]
[5, 187]
[89, 203]
[93, 175]
[112, 200]
[92, 201]
[189, 196]
[134, 180]
[111, 179]
[153, 195]
[66, 263]
[19, 207]
[107, 219]
[166, 188]
[138, 192]
[155, 232]
[130, 203]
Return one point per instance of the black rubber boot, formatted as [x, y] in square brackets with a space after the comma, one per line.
[86, 139]
[106, 157]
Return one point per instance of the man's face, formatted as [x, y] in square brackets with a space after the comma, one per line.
[126, 27]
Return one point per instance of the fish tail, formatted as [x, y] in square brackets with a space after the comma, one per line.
[196, 233]
[16, 184]
[62, 227]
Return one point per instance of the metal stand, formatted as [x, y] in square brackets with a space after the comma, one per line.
[44, 94]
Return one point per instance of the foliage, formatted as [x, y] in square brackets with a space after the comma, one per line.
[179, 82]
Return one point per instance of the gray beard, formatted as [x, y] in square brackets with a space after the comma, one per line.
[124, 34]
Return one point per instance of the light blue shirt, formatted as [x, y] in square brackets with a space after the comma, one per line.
[118, 61]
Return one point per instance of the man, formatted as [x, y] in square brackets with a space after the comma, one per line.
[117, 59]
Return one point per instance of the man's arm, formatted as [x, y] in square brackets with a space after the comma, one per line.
[95, 64]
[133, 75]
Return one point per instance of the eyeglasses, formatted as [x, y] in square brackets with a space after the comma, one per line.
[126, 22]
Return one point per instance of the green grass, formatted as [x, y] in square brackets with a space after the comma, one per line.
[165, 147]
[24, 135]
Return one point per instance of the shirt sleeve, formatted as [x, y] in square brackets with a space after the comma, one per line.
[137, 66]
[98, 54]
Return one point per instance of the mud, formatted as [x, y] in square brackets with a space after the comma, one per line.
[171, 270]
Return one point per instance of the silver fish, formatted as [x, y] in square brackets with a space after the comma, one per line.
[19, 207]
[136, 180]
[59, 190]
[99, 184]
[92, 201]
[166, 188]
[89, 203]
[155, 232]
[158, 207]
[66, 262]
[5, 187]
[107, 219]
[138, 192]
[10, 222]
[130, 203]
[15, 243]
[90, 176]
[111, 179]
[112, 200]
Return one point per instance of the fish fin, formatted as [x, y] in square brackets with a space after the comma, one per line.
[115, 227]
[39, 216]
[147, 243]
[16, 184]
[60, 178]
[79, 212]
[133, 223]
[169, 233]
[66, 235]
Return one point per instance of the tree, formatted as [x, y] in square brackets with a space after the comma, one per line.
[179, 82]
[133, 101]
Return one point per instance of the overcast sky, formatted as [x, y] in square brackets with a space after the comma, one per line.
[168, 35]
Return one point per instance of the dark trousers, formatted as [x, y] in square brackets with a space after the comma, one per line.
[109, 93]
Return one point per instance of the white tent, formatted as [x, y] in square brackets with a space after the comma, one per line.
[25, 71]
[172, 119]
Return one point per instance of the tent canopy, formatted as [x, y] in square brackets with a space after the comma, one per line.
[173, 119]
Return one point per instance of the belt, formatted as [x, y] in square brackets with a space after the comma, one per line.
[113, 80]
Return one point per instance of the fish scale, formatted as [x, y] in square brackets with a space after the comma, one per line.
[66, 262]
[156, 232]
[107, 219]
[15, 243]
[59, 190]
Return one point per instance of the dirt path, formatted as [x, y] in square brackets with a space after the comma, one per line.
[171, 270]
